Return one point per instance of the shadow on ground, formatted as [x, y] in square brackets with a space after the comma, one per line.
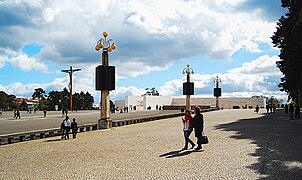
[53, 140]
[179, 153]
[279, 144]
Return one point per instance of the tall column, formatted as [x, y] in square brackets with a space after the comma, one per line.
[188, 87]
[105, 80]
[105, 122]
[188, 97]
[217, 91]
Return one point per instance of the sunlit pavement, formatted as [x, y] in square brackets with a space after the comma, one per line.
[53, 119]
[243, 145]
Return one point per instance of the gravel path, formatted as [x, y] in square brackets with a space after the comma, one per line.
[243, 145]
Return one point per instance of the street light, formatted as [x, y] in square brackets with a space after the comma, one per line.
[188, 87]
[217, 90]
[105, 80]
[107, 46]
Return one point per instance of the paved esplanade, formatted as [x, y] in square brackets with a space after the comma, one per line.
[243, 145]
[36, 121]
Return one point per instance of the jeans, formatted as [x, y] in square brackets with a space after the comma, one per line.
[187, 138]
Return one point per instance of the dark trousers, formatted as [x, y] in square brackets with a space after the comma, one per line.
[297, 115]
[63, 133]
[187, 138]
[67, 129]
[198, 135]
[74, 132]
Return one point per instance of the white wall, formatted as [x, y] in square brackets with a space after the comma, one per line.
[120, 103]
[137, 101]
[142, 102]
[152, 101]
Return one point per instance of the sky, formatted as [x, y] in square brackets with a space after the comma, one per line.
[155, 41]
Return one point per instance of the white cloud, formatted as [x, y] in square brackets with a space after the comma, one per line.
[121, 92]
[133, 69]
[150, 36]
[3, 60]
[150, 33]
[263, 65]
[258, 77]
[26, 63]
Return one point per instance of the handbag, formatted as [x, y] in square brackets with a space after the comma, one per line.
[204, 139]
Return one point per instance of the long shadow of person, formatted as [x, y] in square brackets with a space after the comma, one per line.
[53, 140]
[178, 153]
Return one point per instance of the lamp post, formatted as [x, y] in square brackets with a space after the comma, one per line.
[188, 87]
[105, 80]
[217, 90]
[70, 71]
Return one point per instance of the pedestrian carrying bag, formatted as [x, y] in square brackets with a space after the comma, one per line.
[204, 139]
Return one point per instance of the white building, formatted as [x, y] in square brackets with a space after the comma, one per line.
[157, 102]
[143, 102]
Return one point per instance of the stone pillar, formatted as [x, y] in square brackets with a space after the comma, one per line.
[105, 122]
[188, 102]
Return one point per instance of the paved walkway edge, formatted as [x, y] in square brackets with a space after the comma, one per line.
[45, 133]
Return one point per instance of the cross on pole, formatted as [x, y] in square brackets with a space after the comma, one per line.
[70, 71]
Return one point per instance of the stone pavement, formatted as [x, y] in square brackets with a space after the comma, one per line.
[36, 121]
[243, 145]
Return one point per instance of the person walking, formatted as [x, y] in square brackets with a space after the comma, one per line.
[267, 108]
[66, 112]
[291, 111]
[44, 112]
[297, 112]
[18, 114]
[67, 125]
[74, 128]
[198, 126]
[286, 108]
[257, 109]
[188, 128]
[63, 129]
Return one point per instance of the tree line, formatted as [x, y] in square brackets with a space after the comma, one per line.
[288, 38]
[61, 99]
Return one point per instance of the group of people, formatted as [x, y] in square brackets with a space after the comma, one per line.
[66, 125]
[270, 108]
[291, 109]
[190, 123]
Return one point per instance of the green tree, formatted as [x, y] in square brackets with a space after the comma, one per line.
[65, 99]
[288, 38]
[40, 94]
[88, 101]
[77, 101]
[82, 101]
[7, 102]
[54, 98]
[151, 92]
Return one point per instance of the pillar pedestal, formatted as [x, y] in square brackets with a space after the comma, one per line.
[104, 123]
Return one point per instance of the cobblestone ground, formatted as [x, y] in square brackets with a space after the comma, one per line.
[243, 145]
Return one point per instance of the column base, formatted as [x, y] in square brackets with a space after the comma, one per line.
[104, 123]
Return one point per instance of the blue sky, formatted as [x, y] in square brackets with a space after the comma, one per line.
[155, 40]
